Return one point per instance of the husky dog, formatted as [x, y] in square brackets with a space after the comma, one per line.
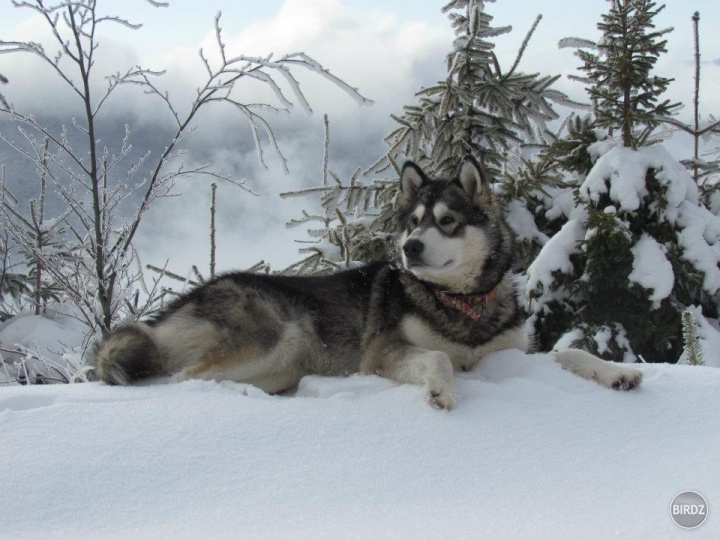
[450, 301]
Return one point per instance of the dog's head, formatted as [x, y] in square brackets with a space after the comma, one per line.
[452, 231]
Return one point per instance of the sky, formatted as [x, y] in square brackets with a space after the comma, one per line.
[389, 50]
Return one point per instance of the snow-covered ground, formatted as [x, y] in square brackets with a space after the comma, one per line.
[530, 452]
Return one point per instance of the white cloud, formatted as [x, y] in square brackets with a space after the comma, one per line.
[36, 87]
[386, 58]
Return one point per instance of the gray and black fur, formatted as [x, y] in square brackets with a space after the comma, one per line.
[385, 318]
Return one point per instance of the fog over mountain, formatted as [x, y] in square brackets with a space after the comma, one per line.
[227, 147]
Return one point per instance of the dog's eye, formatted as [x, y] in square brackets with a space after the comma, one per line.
[446, 220]
[413, 222]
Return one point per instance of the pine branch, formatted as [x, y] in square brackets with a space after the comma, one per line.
[524, 46]
[692, 351]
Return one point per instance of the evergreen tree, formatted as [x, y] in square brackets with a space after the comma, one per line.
[32, 287]
[480, 108]
[639, 247]
[624, 95]
[15, 287]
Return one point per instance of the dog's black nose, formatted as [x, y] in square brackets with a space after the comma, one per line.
[413, 248]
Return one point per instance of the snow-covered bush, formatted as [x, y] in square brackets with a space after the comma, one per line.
[639, 249]
[43, 349]
[640, 246]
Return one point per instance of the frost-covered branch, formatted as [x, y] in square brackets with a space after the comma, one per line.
[28, 366]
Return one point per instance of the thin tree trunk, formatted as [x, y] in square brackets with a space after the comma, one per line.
[696, 98]
[213, 188]
[627, 126]
[105, 286]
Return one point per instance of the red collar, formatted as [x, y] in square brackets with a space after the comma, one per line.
[467, 303]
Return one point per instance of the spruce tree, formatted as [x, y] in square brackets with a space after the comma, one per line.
[640, 247]
[624, 95]
[480, 108]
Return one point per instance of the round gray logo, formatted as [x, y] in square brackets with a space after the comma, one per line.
[689, 509]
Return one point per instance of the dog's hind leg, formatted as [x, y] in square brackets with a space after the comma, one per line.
[608, 374]
[272, 368]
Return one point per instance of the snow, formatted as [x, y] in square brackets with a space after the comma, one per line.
[700, 239]
[602, 337]
[44, 343]
[555, 255]
[621, 172]
[714, 202]
[625, 175]
[651, 269]
[567, 339]
[522, 223]
[576, 43]
[562, 204]
[57, 325]
[532, 451]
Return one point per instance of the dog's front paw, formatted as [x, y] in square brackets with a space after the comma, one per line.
[440, 400]
[441, 386]
[617, 377]
[627, 380]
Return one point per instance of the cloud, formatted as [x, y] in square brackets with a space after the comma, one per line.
[34, 84]
[386, 58]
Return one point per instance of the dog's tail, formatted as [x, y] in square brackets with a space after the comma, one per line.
[127, 355]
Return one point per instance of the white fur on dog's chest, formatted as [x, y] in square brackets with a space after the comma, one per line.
[421, 334]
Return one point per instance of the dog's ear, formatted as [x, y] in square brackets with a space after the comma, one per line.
[411, 180]
[474, 182]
